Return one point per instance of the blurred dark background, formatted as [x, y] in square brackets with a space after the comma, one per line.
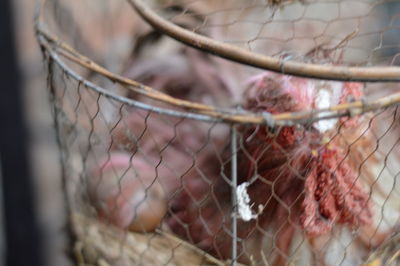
[31, 209]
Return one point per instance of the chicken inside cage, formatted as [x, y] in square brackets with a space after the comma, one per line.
[240, 165]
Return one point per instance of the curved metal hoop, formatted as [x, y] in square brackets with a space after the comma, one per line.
[240, 55]
[206, 112]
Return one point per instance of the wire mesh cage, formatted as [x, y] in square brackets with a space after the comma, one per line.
[173, 155]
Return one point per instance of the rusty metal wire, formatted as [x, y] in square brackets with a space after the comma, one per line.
[162, 169]
[223, 114]
[276, 35]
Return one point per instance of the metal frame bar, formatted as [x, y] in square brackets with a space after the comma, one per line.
[234, 198]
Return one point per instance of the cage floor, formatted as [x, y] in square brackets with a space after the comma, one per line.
[102, 245]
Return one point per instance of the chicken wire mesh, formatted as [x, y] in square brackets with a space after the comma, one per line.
[175, 157]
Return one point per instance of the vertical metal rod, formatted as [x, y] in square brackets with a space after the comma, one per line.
[234, 199]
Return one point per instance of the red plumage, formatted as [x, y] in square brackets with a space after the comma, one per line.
[305, 182]
[297, 179]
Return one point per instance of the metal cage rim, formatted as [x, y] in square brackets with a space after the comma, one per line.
[204, 112]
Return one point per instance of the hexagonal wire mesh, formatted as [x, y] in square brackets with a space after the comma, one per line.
[189, 159]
